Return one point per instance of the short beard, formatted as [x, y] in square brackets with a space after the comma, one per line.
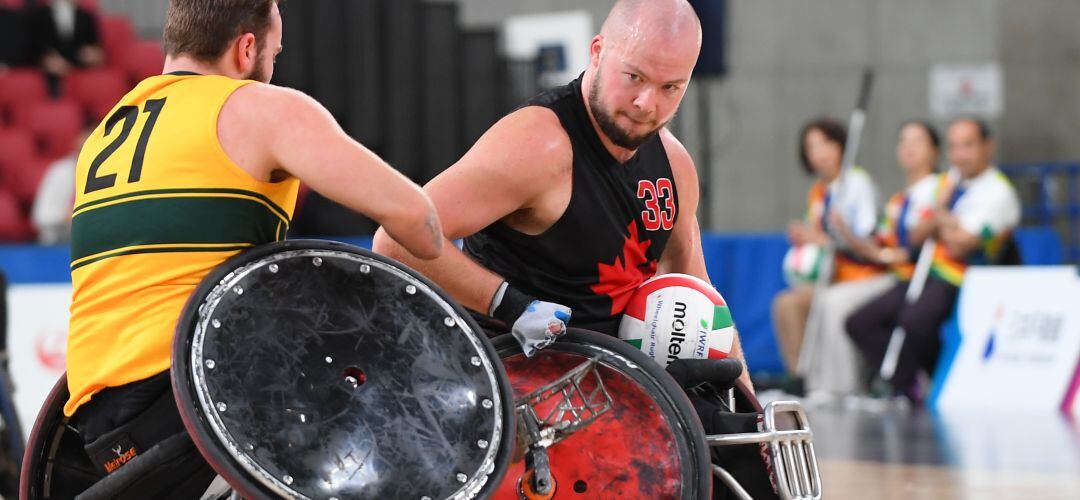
[606, 121]
[258, 73]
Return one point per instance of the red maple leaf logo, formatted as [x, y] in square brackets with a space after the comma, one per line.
[619, 279]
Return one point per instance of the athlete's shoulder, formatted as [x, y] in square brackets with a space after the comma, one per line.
[258, 121]
[262, 98]
[674, 148]
[259, 109]
[538, 119]
[554, 97]
[682, 165]
[536, 136]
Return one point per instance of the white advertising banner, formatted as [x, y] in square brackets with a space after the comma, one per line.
[1020, 339]
[37, 342]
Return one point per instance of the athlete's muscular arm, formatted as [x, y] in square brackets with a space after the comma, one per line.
[510, 173]
[683, 253]
[267, 129]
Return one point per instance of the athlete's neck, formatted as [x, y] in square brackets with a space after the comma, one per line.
[621, 154]
[188, 64]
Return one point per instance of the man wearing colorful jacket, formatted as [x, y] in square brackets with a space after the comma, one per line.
[979, 210]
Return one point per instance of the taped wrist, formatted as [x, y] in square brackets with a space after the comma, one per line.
[512, 304]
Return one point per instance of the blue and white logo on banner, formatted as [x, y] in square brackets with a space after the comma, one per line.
[1017, 345]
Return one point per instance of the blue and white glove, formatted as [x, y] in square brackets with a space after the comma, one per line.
[535, 324]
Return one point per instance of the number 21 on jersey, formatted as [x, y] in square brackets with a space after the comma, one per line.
[129, 115]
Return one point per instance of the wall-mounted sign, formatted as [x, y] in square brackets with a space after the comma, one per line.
[967, 90]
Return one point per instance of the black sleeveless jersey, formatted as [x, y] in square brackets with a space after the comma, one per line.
[611, 236]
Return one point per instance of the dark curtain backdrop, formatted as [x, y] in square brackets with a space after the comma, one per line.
[402, 77]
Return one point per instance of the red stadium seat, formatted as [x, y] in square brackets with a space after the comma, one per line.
[24, 182]
[96, 90]
[55, 124]
[143, 59]
[20, 87]
[14, 227]
[16, 143]
[117, 34]
[17, 149]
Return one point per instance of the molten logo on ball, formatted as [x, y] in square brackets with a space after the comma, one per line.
[678, 316]
[677, 335]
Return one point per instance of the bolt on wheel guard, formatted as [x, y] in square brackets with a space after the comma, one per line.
[320, 370]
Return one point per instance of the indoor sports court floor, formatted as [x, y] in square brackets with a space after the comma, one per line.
[900, 454]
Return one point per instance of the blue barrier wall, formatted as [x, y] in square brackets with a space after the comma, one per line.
[1051, 198]
[745, 268]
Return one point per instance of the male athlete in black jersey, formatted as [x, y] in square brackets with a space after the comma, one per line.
[575, 199]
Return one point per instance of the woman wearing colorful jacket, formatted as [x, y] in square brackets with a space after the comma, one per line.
[834, 200]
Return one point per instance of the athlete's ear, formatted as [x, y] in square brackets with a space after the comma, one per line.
[595, 48]
[246, 53]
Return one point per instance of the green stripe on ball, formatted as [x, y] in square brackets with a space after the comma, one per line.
[721, 318]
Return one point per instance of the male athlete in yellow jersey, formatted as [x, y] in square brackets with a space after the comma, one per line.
[190, 168]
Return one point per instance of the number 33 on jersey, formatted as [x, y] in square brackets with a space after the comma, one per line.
[659, 198]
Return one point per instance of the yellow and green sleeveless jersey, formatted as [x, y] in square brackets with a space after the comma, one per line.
[158, 205]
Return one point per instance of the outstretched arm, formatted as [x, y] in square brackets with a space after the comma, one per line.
[505, 173]
[268, 130]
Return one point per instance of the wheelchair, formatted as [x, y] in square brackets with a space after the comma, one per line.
[308, 369]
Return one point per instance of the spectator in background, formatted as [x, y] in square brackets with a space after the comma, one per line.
[51, 213]
[853, 199]
[64, 35]
[977, 211]
[904, 227]
[12, 43]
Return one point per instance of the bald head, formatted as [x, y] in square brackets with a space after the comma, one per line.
[654, 22]
[640, 66]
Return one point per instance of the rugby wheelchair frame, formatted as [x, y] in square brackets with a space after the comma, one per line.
[564, 421]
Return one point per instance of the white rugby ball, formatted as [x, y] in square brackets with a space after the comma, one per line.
[677, 316]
